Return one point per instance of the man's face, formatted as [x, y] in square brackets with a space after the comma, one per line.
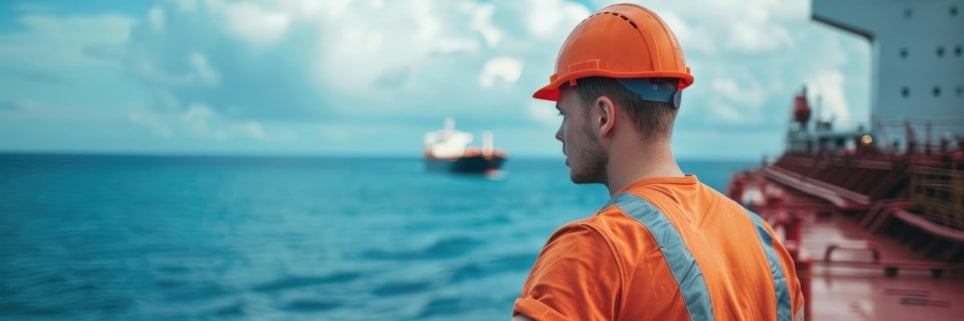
[585, 157]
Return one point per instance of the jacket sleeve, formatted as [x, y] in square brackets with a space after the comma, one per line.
[575, 277]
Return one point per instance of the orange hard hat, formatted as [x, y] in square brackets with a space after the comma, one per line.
[620, 41]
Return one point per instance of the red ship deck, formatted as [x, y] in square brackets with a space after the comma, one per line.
[850, 287]
[866, 276]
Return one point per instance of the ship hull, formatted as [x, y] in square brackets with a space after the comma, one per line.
[477, 164]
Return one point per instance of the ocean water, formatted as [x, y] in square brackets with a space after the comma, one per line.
[94, 237]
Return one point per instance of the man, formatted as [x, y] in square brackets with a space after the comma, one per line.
[665, 247]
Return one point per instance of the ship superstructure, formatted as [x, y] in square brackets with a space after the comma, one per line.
[917, 71]
[448, 150]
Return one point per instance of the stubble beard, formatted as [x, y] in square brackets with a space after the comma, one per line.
[594, 160]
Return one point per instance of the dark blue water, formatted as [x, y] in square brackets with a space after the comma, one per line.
[212, 238]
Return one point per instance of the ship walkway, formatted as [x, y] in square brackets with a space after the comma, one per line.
[860, 274]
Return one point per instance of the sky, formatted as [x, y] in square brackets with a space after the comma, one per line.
[370, 77]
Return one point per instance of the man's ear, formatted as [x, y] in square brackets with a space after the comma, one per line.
[605, 116]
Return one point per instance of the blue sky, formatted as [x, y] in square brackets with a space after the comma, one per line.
[367, 77]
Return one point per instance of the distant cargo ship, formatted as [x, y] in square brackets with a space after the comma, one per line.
[448, 150]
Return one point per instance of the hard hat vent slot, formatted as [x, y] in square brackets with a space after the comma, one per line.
[631, 23]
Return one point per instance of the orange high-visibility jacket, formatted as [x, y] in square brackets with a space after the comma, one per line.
[664, 249]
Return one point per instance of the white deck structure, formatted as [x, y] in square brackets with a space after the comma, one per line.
[918, 64]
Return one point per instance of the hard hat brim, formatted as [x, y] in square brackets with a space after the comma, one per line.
[549, 92]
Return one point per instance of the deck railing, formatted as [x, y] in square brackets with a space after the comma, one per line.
[934, 185]
[939, 191]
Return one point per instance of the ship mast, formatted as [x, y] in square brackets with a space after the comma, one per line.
[487, 145]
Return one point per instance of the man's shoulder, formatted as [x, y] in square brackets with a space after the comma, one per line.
[607, 225]
[603, 219]
[580, 226]
[592, 227]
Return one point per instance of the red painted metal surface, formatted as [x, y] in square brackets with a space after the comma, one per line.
[847, 271]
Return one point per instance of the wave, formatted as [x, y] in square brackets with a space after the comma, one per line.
[484, 268]
[291, 282]
[311, 305]
[442, 249]
[399, 288]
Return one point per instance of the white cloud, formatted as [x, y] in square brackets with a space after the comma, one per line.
[543, 113]
[187, 5]
[456, 45]
[482, 22]
[208, 75]
[20, 106]
[689, 36]
[356, 50]
[155, 16]
[167, 100]
[314, 9]
[336, 134]
[721, 112]
[504, 68]
[152, 121]
[51, 43]
[33, 7]
[251, 22]
[826, 95]
[252, 129]
[730, 90]
[749, 37]
[551, 18]
[149, 72]
[357, 135]
[197, 117]
[205, 122]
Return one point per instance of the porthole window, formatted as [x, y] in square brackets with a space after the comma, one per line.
[957, 50]
[905, 92]
[903, 53]
[953, 11]
[959, 91]
[936, 91]
[908, 13]
[940, 51]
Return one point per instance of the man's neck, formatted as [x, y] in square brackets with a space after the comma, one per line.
[636, 162]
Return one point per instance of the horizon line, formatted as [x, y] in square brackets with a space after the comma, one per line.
[329, 154]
